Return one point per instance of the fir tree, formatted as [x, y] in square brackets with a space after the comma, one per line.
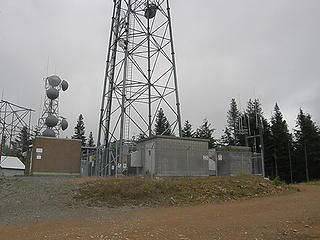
[254, 115]
[254, 123]
[79, 130]
[226, 138]
[232, 123]
[162, 125]
[268, 150]
[90, 141]
[280, 141]
[307, 148]
[243, 129]
[22, 143]
[205, 132]
[187, 130]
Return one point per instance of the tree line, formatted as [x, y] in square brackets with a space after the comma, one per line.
[163, 127]
[293, 157]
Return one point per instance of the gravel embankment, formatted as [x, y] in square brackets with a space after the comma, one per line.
[34, 198]
[37, 198]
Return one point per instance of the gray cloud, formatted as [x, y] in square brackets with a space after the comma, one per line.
[225, 49]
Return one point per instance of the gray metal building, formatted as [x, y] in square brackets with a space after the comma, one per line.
[170, 156]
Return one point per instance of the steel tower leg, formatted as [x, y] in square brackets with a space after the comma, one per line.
[149, 76]
[106, 77]
[174, 71]
[109, 77]
[124, 81]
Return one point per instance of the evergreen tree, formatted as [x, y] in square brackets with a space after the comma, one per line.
[243, 129]
[90, 141]
[6, 150]
[290, 157]
[36, 132]
[79, 130]
[280, 141]
[206, 132]
[232, 123]
[307, 148]
[226, 138]
[141, 136]
[254, 123]
[187, 130]
[254, 115]
[269, 165]
[22, 143]
[162, 125]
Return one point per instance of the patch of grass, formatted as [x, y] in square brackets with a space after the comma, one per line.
[138, 191]
[277, 181]
[316, 182]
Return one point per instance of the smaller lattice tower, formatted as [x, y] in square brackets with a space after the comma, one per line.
[50, 122]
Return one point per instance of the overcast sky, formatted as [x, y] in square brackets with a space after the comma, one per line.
[266, 49]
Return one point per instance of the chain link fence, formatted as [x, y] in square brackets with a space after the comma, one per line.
[151, 160]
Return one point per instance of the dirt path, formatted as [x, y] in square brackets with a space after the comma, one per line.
[292, 216]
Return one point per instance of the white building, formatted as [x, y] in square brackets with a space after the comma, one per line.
[11, 166]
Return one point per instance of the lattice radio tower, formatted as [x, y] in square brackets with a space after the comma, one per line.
[13, 119]
[50, 122]
[140, 74]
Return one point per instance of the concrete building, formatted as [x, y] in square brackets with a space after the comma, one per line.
[54, 156]
[231, 160]
[11, 166]
[170, 156]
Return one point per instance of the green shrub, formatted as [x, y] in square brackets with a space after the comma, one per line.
[277, 181]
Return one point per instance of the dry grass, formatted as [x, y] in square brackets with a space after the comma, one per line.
[317, 182]
[174, 191]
